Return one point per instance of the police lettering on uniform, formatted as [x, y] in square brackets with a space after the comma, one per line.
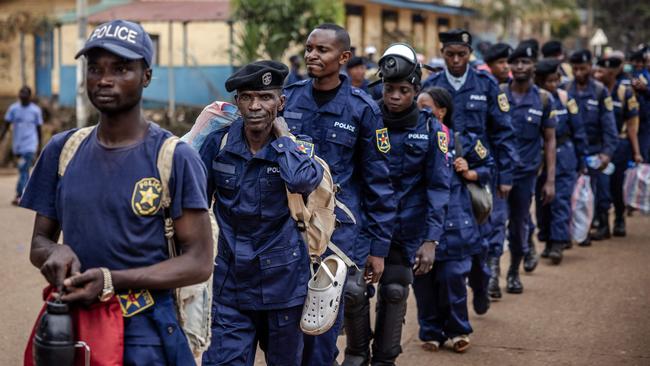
[596, 108]
[534, 124]
[358, 160]
[490, 121]
[108, 206]
[262, 267]
[420, 174]
[441, 293]
[626, 113]
[571, 148]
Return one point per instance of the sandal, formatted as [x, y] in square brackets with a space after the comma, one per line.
[460, 343]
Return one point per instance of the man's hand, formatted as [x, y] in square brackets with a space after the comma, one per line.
[604, 160]
[374, 269]
[61, 263]
[280, 127]
[504, 190]
[638, 158]
[638, 85]
[85, 287]
[548, 192]
[424, 258]
[460, 165]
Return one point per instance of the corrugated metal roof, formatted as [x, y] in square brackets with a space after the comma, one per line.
[179, 11]
[426, 6]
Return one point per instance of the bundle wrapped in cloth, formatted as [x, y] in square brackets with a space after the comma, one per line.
[213, 117]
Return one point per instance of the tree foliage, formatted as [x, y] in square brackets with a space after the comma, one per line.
[270, 27]
[625, 22]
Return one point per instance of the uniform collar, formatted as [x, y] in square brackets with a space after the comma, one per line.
[236, 143]
[528, 98]
[457, 82]
[336, 106]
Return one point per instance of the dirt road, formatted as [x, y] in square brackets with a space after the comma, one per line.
[594, 309]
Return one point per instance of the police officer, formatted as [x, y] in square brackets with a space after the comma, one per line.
[108, 207]
[641, 85]
[626, 113]
[596, 108]
[347, 131]
[420, 175]
[534, 124]
[553, 49]
[480, 107]
[262, 269]
[571, 141]
[496, 58]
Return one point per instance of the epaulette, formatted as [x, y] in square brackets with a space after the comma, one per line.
[626, 81]
[486, 75]
[297, 83]
[366, 98]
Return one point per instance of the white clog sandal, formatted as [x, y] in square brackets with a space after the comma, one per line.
[323, 296]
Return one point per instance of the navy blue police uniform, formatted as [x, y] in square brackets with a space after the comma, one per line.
[643, 97]
[596, 108]
[480, 107]
[119, 190]
[441, 294]
[348, 133]
[262, 267]
[571, 147]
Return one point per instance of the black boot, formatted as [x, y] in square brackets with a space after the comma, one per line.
[494, 291]
[556, 252]
[514, 285]
[619, 226]
[602, 231]
[547, 249]
[568, 245]
[530, 259]
[356, 321]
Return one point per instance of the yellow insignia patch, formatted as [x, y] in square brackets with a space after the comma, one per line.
[480, 150]
[609, 104]
[443, 143]
[135, 302]
[383, 143]
[504, 106]
[146, 197]
[572, 106]
[305, 147]
[632, 103]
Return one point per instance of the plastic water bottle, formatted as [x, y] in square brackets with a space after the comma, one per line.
[593, 161]
[609, 169]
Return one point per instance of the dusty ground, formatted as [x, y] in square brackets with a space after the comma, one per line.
[592, 310]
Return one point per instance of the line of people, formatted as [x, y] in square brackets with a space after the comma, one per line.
[407, 169]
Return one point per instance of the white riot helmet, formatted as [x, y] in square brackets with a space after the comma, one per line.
[399, 63]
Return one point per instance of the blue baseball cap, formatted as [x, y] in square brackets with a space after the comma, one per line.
[123, 38]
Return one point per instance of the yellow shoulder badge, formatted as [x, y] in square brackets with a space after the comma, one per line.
[383, 143]
[632, 103]
[146, 196]
[572, 106]
[135, 302]
[609, 104]
[480, 150]
[504, 106]
[443, 144]
[305, 147]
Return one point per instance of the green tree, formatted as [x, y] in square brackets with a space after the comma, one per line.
[269, 27]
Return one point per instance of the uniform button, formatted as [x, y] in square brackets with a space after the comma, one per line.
[466, 222]
[530, 119]
[333, 135]
[170, 329]
[268, 261]
[295, 254]
[286, 317]
[280, 145]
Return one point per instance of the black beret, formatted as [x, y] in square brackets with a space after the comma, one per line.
[580, 57]
[638, 55]
[355, 61]
[528, 48]
[456, 36]
[546, 66]
[260, 75]
[552, 48]
[497, 51]
[609, 62]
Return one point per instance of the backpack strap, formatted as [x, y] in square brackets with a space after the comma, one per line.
[544, 96]
[563, 96]
[71, 146]
[620, 92]
[165, 164]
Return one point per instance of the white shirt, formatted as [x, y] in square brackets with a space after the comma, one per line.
[456, 82]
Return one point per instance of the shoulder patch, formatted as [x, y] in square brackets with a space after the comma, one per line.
[480, 150]
[504, 106]
[366, 98]
[609, 104]
[305, 147]
[443, 143]
[135, 302]
[632, 103]
[297, 83]
[572, 106]
[383, 142]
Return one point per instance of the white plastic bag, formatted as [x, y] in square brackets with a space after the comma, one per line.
[582, 209]
[213, 117]
[636, 188]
